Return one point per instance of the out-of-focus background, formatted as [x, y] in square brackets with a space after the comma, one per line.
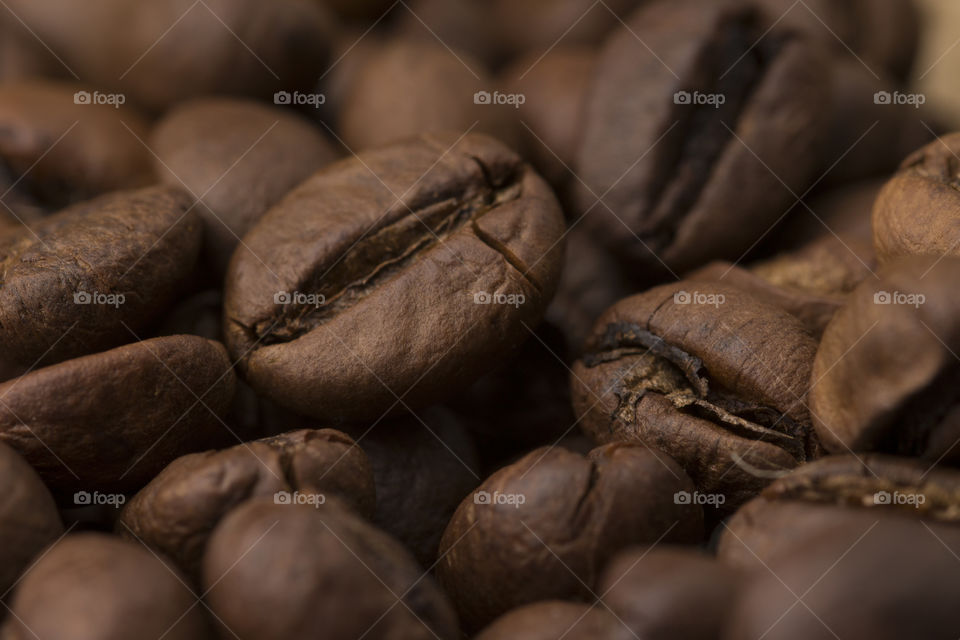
[937, 70]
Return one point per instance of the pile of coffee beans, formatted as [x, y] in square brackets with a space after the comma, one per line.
[493, 319]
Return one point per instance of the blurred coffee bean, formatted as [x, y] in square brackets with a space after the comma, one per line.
[552, 520]
[238, 158]
[657, 186]
[28, 517]
[412, 87]
[556, 620]
[176, 512]
[298, 572]
[463, 25]
[885, 375]
[92, 586]
[713, 376]
[365, 281]
[160, 53]
[110, 421]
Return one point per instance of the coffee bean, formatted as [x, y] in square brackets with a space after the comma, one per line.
[91, 276]
[238, 158]
[707, 373]
[62, 148]
[915, 214]
[463, 25]
[92, 586]
[538, 25]
[158, 54]
[180, 507]
[728, 135]
[298, 572]
[411, 87]
[838, 493]
[552, 519]
[885, 374]
[653, 592]
[28, 517]
[553, 620]
[110, 421]
[404, 273]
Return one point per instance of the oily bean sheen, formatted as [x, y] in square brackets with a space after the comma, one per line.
[886, 374]
[555, 619]
[544, 526]
[64, 152]
[300, 573]
[408, 271]
[91, 586]
[707, 373]
[700, 128]
[28, 517]
[239, 157]
[917, 212]
[177, 510]
[838, 492]
[111, 421]
[83, 279]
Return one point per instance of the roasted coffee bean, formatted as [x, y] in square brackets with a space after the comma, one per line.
[110, 421]
[656, 591]
[405, 273]
[28, 517]
[176, 512]
[885, 376]
[61, 148]
[238, 158]
[707, 373]
[916, 213]
[730, 131]
[885, 580]
[557, 620]
[160, 53]
[362, 10]
[297, 572]
[423, 466]
[463, 25]
[91, 586]
[88, 278]
[553, 519]
[411, 87]
[554, 89]
[837, 493]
